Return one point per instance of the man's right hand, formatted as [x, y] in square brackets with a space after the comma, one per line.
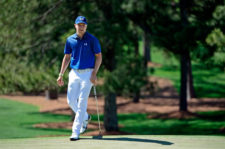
[60, 81]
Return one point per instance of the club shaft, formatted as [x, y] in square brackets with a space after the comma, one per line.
[97, 109]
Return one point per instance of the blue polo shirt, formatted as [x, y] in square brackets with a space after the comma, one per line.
[82, 50]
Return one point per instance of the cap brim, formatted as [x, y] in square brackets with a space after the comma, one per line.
[81, 22]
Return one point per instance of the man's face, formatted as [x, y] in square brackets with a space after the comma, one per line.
[80, 28]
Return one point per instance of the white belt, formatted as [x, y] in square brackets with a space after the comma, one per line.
[83, 70]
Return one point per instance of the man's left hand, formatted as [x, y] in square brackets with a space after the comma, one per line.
[93, 78]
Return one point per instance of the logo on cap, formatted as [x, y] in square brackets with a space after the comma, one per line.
[80, 19]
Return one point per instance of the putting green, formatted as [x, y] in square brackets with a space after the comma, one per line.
[121, 142]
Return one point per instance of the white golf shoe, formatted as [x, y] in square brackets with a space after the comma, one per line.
[74, 137]
[84, 124]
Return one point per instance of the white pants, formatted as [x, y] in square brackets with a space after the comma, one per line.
[79, 88]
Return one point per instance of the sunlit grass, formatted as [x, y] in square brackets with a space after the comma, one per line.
[17, 120]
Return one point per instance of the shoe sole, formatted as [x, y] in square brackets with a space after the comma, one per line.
[73, 139]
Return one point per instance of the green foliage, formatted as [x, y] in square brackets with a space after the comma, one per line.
[218, 16]
[17, 120]
[217, 39]
[164, 57]
[18, 75]
[177, 35]
[16, 22]
[31, 50]
[129, 77]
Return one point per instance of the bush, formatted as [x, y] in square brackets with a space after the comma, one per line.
[20, 76]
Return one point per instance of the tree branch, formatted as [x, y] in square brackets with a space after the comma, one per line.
[46, 13]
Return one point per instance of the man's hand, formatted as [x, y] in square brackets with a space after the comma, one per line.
[65, 63]
[98, 62]
[93, 78]
[60, 81]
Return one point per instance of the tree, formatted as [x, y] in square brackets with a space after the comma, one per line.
[142, 13]
[186, 29]
[116, 35]
[107, 28]
[31, 34]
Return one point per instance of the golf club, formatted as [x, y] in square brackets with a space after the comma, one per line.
[100, 132]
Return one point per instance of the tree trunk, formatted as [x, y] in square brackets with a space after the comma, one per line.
[109, 60]
[136, 97]
[190, 78]
[136, 94]
[184, 80]
[51, 94]
[110, 113]
[185, 61]
[146, 48]
[190, 87]
[136, 46]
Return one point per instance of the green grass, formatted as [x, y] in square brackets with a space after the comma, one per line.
[207, 82]
[140, 124]
[210, 124]
[16, 120]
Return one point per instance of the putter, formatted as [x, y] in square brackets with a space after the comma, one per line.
[100, 131]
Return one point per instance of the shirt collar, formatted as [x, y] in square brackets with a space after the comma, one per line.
[77, 37]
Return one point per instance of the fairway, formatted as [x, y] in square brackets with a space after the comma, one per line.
[122, 142]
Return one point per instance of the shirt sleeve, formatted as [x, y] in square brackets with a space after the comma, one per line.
[67, 49]
[96, 46]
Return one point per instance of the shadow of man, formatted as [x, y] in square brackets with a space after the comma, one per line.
[139, 140]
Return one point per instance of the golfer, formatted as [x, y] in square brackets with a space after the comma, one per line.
[83, 52]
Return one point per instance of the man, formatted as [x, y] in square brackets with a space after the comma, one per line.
[84, 52]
